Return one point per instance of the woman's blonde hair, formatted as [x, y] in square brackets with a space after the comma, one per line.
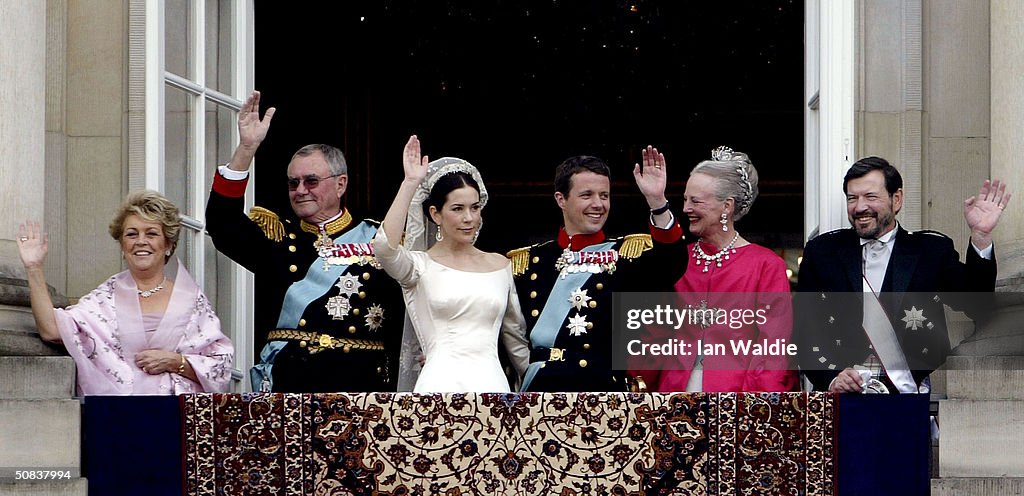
[151, 207]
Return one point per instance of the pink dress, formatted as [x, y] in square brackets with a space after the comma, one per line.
[106, 329]
[753, 278]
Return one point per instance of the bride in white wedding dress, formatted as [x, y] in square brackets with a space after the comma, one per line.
[459, 299]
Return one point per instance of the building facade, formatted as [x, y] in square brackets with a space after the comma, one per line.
[100, 98]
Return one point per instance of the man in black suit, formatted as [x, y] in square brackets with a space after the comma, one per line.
[565, 285]
[888, 332]
[340, 316]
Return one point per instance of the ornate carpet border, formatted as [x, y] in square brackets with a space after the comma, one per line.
[530, 443]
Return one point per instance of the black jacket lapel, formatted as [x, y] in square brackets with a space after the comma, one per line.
[850, 256]
[902, 263]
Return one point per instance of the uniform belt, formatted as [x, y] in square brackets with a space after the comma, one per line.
[541, 354]
[584, 360]
[315, 341]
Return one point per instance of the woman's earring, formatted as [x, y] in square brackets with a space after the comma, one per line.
[724, 221]
[438, 236]
[476, 235]
[167, 253]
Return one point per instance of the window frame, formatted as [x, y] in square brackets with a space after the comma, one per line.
[157, 80]
[829, 116]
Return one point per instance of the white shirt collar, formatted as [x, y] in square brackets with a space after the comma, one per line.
[885, 238]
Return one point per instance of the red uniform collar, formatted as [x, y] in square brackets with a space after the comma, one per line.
[579, 241]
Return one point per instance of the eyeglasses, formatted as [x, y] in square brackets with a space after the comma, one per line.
[310, 181]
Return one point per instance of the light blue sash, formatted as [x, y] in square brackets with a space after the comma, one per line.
[549, 323]
[299, 295]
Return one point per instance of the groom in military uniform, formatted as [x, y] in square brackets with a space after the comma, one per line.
[340, 319]
[565, 285]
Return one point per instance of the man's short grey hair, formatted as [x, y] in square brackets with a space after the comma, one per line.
[335, 159]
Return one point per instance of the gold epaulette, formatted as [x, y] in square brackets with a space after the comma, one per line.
[269, 222]
[635, 244]
[520, 258]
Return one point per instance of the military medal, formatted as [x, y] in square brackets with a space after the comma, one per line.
[338, 254]
[348, 284]
[349, 254]
[579, 298]
[594, 262]
[564, 260]
[914, 318]
[577, 325]
[338, 307]
[374, 317]
[323, 243]
[323, 246]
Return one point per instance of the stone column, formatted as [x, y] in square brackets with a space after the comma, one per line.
[1007, 69]
[982, 446]
[22, 131]
[23, 195]
[889, 99]
[1004, 335]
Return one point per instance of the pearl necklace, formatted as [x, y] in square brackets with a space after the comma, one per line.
[723, 254]
[151, 292]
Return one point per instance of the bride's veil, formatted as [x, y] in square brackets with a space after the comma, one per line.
[420, 235]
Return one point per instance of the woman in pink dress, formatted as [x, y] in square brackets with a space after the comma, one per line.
[147, 330]
[741, 290]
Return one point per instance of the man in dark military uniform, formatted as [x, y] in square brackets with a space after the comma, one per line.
[892, 334]
[341, 316]
[565, 285]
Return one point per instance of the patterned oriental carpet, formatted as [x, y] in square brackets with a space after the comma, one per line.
[530, 443]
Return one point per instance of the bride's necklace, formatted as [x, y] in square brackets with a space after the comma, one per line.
[150, 292]
[717, 258]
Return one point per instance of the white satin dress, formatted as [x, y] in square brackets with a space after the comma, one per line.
[458, 317]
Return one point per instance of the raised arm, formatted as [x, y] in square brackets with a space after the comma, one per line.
[663, 262]
[652, 178]
[982, 211]
[234, 234]
[415, 166]
[251, 132]
[33, 245]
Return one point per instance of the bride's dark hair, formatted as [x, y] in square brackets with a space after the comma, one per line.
[446, 184]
